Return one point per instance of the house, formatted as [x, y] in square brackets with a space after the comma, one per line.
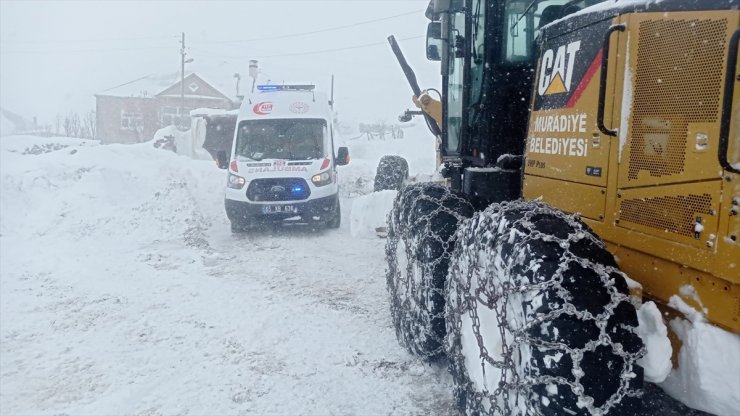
[134, 111]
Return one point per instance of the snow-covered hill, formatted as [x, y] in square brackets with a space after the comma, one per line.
[10, 123]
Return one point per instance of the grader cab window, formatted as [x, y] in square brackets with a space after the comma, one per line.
[455, 84]
[522, 22]
[477, 50]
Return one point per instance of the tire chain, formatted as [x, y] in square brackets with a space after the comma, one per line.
[513, 384]
[391, 171]
[413, 313]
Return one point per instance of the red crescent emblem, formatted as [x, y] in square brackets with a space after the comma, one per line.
[262, 108]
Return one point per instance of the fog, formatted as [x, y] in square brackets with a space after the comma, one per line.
[55, 55]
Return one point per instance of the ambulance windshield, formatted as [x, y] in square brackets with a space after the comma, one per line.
[289, 139]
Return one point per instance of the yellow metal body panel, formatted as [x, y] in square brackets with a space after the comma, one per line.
[675, 74]
[430, 106]
[662, 279]
[661, 172]
[673, 212]
[586, 200]
[564, 143]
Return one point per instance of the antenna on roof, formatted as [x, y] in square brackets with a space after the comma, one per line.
[331, 101]
[253, 71]
[238, 78]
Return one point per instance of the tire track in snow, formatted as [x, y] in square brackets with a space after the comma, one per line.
[343, 282]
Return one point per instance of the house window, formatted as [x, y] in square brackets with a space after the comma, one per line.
[175, 116]
[131, 120]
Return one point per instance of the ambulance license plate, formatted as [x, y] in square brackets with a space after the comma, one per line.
[279, 209]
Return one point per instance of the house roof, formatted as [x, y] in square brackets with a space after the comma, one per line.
[165, 85]
[195, 86]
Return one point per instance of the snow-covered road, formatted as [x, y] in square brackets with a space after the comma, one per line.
[124, 292]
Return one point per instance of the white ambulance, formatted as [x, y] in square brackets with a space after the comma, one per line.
[282, 167]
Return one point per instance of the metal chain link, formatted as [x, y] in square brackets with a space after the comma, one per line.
[417, 301]
[474, 287]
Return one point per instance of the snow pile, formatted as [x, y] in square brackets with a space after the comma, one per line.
[654, 334]
[708, 373]
[35, 145]
[370, 212]
[187, 143]
[94, 196]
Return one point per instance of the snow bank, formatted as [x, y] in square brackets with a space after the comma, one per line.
[73, 189]
[654, 334]
[370, 211]
[187, 143]
[708, 373]
[35, 145]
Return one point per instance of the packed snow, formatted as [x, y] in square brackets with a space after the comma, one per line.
[708, 373]
[369, 213]
[654, 334]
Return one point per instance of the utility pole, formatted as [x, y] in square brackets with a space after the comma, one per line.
[182, 74]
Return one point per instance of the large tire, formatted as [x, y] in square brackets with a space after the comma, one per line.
[336, 221]
[237, 228]
[538, 318]
[391, 173]
[421, 232]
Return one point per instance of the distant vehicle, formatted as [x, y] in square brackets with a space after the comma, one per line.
[217, 133]
[282, 165]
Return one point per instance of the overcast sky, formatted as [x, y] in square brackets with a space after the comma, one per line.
[55, 55]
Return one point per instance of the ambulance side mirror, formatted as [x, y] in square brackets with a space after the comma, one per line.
[342, 156]
[222, 161]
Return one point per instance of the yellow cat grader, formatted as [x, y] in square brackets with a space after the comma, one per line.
[591, 152]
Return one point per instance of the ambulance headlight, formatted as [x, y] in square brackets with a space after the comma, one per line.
[321, 179]
[235, 182]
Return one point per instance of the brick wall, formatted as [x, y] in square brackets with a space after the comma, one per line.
[136, 119]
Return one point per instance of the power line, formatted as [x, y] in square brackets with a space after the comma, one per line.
[329, 29]
[2, 51]
[127, 83]
[35, 42]
[366, 45]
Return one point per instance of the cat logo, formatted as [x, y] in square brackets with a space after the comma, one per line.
[556, 69]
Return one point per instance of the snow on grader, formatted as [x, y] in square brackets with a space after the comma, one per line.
[591, 155]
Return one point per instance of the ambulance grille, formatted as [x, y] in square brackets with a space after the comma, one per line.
[278, 189]
[673, 214]
[678, 80]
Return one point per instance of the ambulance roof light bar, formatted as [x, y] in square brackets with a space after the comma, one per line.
[304, 87]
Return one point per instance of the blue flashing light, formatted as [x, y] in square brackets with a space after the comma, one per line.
[297, 189]
[268, 87]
